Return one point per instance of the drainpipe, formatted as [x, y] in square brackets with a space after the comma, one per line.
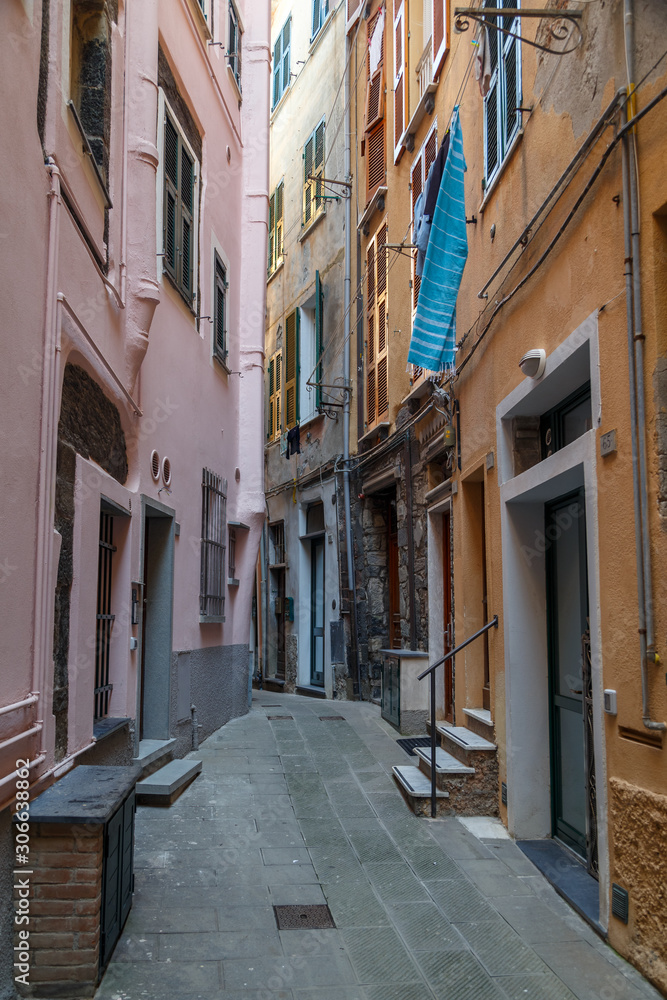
[346, 378]
[637, 391]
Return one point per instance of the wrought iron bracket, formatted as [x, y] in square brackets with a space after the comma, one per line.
[558, 29]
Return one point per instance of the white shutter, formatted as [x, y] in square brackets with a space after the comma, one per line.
[399, 80]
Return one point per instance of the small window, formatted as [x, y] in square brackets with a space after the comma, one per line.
[281, 62]
[274, 373]
[315, 519]
[277, 543]
[276, 229]
[180, 186]
[232, 556]
[234, 43]
[502, 117]
[567, 421]
[320, 14]
[90, 77]
[220, 312]
[213, 532]
[313, 188]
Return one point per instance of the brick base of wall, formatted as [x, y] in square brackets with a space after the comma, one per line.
[65, 904]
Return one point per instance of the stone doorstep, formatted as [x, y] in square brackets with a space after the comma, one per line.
[464, 738]
[164, 786]
[153, 754]
[415, 788]
[445, 763]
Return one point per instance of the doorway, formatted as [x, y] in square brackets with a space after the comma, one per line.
[317, 612]
[447, 620]
[392, 571]
[156, 623]
[567, 636]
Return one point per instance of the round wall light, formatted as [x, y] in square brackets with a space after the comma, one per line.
[533, 363]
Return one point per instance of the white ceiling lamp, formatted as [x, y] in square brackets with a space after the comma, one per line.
[533, 363]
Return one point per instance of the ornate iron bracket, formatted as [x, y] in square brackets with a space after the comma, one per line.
[559, 30]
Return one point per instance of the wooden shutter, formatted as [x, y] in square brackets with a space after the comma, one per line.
[319, 339]
[292, 370]
[308, 185]
[279, 223]
[377, 386]
[270, 424]
[511, 50]
[220, 332]
[187, 234]
[399, 79]
[287, 47]
[416, 188]
[318, 166]
[439, 34]
[313, 169]
[492, 118]
[272, 234]
[277, 69]
[170, 197]
[376, 162]
[274, 371]
[353, 11]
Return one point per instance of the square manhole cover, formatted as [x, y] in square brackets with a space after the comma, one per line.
[272, 718]
[315, 917]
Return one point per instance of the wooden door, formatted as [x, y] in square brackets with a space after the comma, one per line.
[447, 620]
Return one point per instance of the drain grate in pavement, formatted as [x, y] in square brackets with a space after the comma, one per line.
[272, 718]
[415, 741]
[336, 718]
[271, 706]
[316, 917]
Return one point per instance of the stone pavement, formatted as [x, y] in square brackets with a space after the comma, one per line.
[301, 810]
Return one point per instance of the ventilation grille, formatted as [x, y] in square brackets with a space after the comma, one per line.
[503, 793]
[166, 471]
[620, 902]
[155, 465]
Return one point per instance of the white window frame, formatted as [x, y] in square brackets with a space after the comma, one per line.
[163, 107]
[323, 9]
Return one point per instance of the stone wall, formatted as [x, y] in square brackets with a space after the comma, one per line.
[638, 819]
[217, 686]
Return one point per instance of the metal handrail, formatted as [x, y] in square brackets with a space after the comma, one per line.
[431, 670]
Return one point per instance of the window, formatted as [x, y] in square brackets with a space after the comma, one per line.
[439, 34]
[418, 176]
[90, 77]
[310, 344]
[374, 138]
[231, 569]
[377, 399]
[353, 11]
[281, 62]
[213, 532]
[502, 118]
[313, 162]
[276, 228]
[292, 369]
[105, 620]
[220, 311]
[320, 14]
[400, 95]
[274, 425]
[179, 231]
[234, 43]
[567, 421]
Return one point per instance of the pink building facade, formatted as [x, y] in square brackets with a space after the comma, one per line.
[133, 241]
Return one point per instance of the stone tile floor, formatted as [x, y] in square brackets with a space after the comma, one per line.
[304, 811]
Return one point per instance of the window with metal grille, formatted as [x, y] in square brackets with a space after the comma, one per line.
[320, 14]
[234, 43]
[213, 535]
[179, 209]
[313, 171]
[377, 387]
[281, 62]
[274, 395]
[277, 543]
[105, 618]
[220, 311]
[502, 117]
[276, 228]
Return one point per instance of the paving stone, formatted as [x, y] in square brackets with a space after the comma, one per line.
[176, 948]
[500, 949]
[285, 856]
[378, 955]
[160, 980]
[359, 908]
[460, 901]
[457, 975]
[423, 927]
[395, 882]
[169, 919]
[431, 864]
[295, 972]
[546, 987]
[137, 948]
[493, 879]
[415, 991]
[292, 895]
[534, 920]
[244, 918]
[586, 971]
[311, 942]
[375, 848]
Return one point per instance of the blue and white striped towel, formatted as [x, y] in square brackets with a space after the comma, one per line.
[434, 330]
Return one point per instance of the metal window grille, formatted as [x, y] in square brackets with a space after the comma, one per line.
[278, 542]
[219, 311]
[105, 619]
[232, 553]
[214, 519]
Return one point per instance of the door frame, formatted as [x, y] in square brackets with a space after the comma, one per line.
[315, 543]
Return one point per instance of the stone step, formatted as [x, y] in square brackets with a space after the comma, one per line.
[464, 738]
[445, 763]
[153, 754]
[164, 786]
[416, 790]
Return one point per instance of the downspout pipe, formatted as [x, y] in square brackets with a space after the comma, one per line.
[637, 389]
[346, 377]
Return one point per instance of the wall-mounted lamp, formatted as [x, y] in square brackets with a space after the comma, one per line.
[533, 363]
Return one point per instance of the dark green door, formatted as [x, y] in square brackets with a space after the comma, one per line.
[317, 612]
[567, 613]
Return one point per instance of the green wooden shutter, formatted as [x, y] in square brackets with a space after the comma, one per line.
[318, 166]
[272, 223]
[292, 370]
[170, 196]
[287, 33]
[318, 339]
[279, 223]
[186, 228]
[308, 159]
[220, 332]
[277, 69]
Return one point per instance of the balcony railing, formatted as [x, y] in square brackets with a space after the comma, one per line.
[424, 70]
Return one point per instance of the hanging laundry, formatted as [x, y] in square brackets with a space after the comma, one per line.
[434, 330]
[375, 47]
[483, 62]
[293, 441]
[425, 205]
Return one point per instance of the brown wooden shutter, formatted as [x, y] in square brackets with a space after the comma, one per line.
[416, 186]
[377, 390]
[376, 161]
[439, 35]
[353, 9]
[292, 369]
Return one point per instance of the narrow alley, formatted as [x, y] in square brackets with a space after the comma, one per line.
[296, 807]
